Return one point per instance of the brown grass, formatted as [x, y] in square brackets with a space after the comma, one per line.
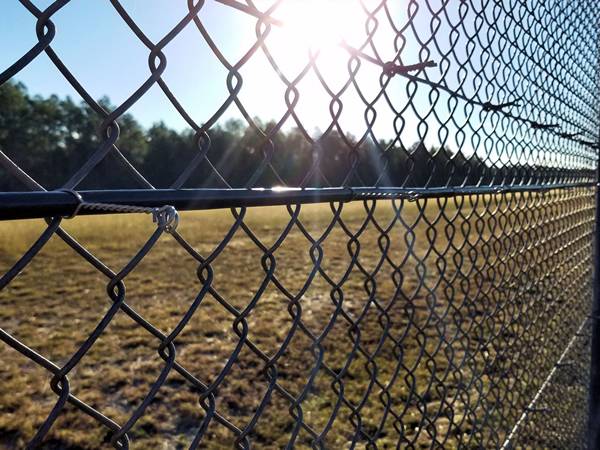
[450, 305]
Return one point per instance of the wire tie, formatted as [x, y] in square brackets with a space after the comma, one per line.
[412, 196]
[79, 199]
[544, 126]
[569, 135]
[489, 106]
[166, 217]
[391, 69]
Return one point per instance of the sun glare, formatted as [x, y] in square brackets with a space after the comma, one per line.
[317, 24]
[320, 25]
[313, 32]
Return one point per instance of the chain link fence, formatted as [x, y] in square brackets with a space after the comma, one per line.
[438, 294]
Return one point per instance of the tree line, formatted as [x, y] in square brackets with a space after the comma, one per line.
[50, 138]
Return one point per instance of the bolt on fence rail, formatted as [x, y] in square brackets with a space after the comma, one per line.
[440, 296]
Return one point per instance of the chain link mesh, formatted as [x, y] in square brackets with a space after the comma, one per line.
[455, 314]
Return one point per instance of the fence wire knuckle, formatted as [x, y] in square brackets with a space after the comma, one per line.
[442, 297]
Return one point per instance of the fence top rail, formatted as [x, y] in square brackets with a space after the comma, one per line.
[41, 204]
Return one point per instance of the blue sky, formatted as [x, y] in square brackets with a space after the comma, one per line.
[108, 59]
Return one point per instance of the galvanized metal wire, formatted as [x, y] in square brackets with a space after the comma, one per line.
[473, 259]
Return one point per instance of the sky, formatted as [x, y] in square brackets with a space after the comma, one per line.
[109, 60]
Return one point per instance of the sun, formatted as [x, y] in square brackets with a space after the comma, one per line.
[317, 32]
[320, 24]
[311, 57]
[320, 32]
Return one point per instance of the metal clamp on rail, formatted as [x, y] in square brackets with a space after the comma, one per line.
[165, 217]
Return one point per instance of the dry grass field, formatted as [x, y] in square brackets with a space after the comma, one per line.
[421, 326]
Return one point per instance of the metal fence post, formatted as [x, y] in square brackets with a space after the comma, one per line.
[594, 395]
